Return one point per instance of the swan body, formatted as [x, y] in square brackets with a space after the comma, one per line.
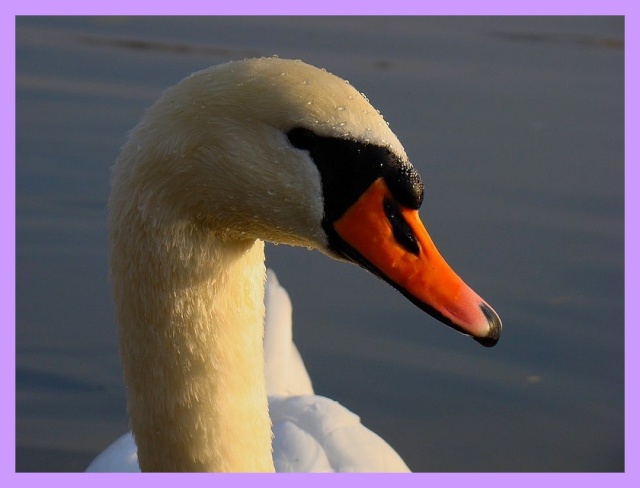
[238, 154]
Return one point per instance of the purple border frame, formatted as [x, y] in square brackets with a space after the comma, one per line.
[8, 12]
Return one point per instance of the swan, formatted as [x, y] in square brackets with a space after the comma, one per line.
[235, 155]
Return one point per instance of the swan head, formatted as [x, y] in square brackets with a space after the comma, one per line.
[282, 151]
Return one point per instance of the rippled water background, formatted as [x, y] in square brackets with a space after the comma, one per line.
[517, 127]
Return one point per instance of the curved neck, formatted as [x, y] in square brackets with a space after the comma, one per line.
[190, 310]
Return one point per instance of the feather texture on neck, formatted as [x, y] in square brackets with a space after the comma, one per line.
[191, 326]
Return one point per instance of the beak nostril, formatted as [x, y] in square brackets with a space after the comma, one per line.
[402, 231]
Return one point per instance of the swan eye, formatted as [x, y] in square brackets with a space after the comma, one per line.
[401, 229]
[301, 138]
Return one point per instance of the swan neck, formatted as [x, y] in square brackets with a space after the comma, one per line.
[190, 310]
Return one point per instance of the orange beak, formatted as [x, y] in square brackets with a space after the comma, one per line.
[391, 241]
